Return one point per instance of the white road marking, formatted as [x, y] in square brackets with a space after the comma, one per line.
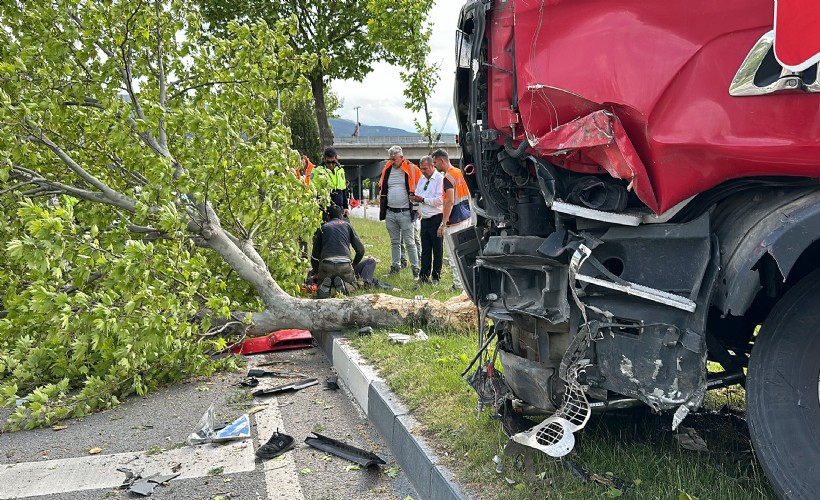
[281, 479]
[100, 471]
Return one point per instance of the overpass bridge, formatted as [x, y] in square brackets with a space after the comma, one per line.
[364, 157]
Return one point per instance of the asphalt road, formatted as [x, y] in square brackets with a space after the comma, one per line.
[149, 434]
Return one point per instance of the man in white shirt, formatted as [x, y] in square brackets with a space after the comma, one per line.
[429, 197]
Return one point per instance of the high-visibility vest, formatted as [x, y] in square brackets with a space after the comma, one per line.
[308, 173]
[335, 179]
[461, 193]
[413, 173]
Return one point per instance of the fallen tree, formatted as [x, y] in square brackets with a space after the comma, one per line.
[145, 175]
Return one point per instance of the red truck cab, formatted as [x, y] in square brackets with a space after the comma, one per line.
[644, 178]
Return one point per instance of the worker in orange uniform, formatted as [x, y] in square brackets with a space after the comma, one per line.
[398, 182]
[456, 213]
[305, 171]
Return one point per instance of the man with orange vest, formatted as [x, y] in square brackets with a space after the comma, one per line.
[397, 183]
[456, 210]
[305, 172]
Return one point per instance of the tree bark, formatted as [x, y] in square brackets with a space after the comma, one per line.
[378, 311]
[317, 87]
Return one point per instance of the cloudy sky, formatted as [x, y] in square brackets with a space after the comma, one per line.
[380, 94]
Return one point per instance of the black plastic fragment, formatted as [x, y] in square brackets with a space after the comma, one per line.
[332, 382]
[357, 455]
[293, 386]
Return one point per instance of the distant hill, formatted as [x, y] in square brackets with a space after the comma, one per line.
[344, 128]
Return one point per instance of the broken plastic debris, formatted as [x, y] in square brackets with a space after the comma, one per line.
[293, 386]
[332, 382]
[344, 450]
[275, 341]
[403, 338]
[206, 432]
[365, 330]
[143, 486]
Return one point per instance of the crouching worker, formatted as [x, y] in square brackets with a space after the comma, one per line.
[331, 254]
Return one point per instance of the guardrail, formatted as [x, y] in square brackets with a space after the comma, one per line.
[394, 139]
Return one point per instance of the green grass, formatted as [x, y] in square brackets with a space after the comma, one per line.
[634, 446]
[377, 243]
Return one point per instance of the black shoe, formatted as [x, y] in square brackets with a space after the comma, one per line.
[415, 273]
[435, 282]
[276, 445]
[394, 270]
[339, 285]
[324, 288]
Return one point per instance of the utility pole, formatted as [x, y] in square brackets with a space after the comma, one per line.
[358, 124]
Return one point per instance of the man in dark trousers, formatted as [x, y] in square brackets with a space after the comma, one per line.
[429, 196]
[331, 254]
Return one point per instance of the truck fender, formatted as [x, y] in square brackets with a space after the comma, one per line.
[776, 222]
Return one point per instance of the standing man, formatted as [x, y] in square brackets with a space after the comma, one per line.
[398, 182]
[429, 194]
[330, 173]
[305, 171]
[456, 209]
[331, 254]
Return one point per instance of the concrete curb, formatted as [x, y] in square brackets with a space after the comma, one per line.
[391, 419]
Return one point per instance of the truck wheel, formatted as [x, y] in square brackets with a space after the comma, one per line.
[783, 392]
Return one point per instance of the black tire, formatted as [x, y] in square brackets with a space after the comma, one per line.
[783, 404]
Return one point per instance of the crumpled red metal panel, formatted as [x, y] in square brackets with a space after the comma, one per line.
[602, 138]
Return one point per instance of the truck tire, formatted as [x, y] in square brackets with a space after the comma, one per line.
[783, 404]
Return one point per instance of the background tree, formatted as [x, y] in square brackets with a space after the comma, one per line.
[342, 37]
[304, 131]
[145, 177]
[419, 74]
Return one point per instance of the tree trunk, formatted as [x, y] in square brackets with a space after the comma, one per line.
[378, 311]
[317, 86]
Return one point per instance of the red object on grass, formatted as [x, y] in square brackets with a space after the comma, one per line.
[275, 341]
[354, 203]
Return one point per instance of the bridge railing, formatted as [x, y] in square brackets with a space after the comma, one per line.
[393, 139]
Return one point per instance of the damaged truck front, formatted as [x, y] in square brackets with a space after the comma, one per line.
[644, 181]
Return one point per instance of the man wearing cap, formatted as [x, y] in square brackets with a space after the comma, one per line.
[398, 181]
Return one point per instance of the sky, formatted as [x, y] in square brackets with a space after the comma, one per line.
[380, 93]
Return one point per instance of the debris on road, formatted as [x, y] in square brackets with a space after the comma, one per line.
[275, 341]
[206, 431]
[332, 382]
[293, 386]
[256, 372]
[277, 444]
[143, 486]
[357, 455]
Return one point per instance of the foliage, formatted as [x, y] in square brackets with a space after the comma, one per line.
[419, 75]
[119, 121]
[304, 130]
[344, 37]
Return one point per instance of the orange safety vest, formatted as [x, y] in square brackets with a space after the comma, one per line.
[456, 178]
[308, 171]
[413, 173]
